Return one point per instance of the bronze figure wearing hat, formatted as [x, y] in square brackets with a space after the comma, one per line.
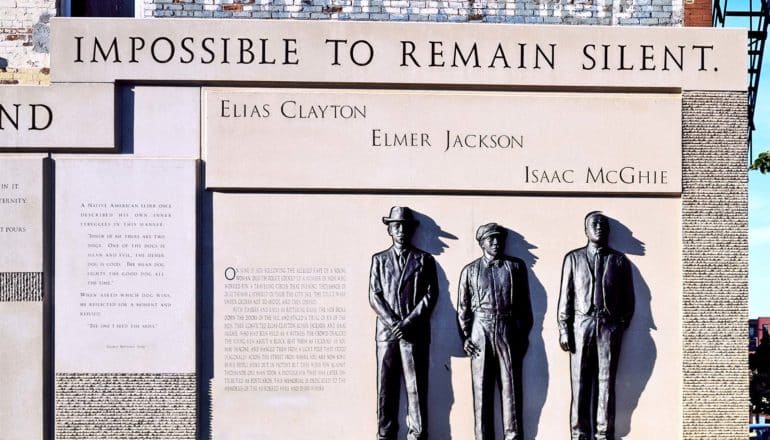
[596, 304]
[495, 317]
[403, 293]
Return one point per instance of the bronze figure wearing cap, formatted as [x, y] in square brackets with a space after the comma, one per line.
[596, 304]
[495, 317]
[402, 292]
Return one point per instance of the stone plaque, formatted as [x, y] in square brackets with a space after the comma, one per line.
[21, 294]
[532, 142]
[57, 117]
[21, 213]
[21, 370]
[166, 122]
[125, 265]
[294, 332]
[397, 53]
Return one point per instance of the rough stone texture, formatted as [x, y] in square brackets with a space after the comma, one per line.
[21, 286]
[715, 275]
[125, 406]
[24, 35]
[587, 12]
[31, 76]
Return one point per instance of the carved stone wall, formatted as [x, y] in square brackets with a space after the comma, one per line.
[715, 261]
[125, 406]
[21, 286]
[25, 33]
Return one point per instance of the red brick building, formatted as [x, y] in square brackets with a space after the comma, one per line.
[758, 328]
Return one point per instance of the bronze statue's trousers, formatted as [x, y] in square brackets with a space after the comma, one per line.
[394, 360]
[499, 363]
[594, 365]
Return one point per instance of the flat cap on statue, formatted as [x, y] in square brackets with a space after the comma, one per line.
[488, 230]
[400, 214]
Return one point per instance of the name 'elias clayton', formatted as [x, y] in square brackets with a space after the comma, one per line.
[291, 109]
[246, 50]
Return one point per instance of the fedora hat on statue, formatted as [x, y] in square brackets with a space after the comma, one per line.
[400, 214]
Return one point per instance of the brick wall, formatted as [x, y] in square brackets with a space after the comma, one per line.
[24, 36]
[590, 12]
[697, 13]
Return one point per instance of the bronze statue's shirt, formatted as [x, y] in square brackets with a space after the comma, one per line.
[498, 287]
[579, 287]
[494, 284]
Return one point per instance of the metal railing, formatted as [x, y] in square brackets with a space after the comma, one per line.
[752, 15]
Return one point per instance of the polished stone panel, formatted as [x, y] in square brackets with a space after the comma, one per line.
[294, 331]
[166, 122]
[21, 213]
[21, 370]
[397, 53]
[125, 298]
[125, 265]
[450, 141]
[56, 117]
[21, 295]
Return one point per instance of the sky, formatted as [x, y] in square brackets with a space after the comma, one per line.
[759, 187]
[759, 236]
[759, 205]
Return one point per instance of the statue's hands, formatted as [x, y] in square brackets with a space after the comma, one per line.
[398, 330]
[470, 348]
[564, 342]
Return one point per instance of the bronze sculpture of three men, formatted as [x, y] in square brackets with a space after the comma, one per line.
[494, 316]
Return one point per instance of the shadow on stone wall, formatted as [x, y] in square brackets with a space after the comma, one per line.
[638, 352]
[447, 344]
[535, 366]
[445, 339]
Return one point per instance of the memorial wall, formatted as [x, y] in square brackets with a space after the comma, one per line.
[386, 230]
[296, 330]
[125, 295]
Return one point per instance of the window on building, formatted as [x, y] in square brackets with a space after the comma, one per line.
[97, 8]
